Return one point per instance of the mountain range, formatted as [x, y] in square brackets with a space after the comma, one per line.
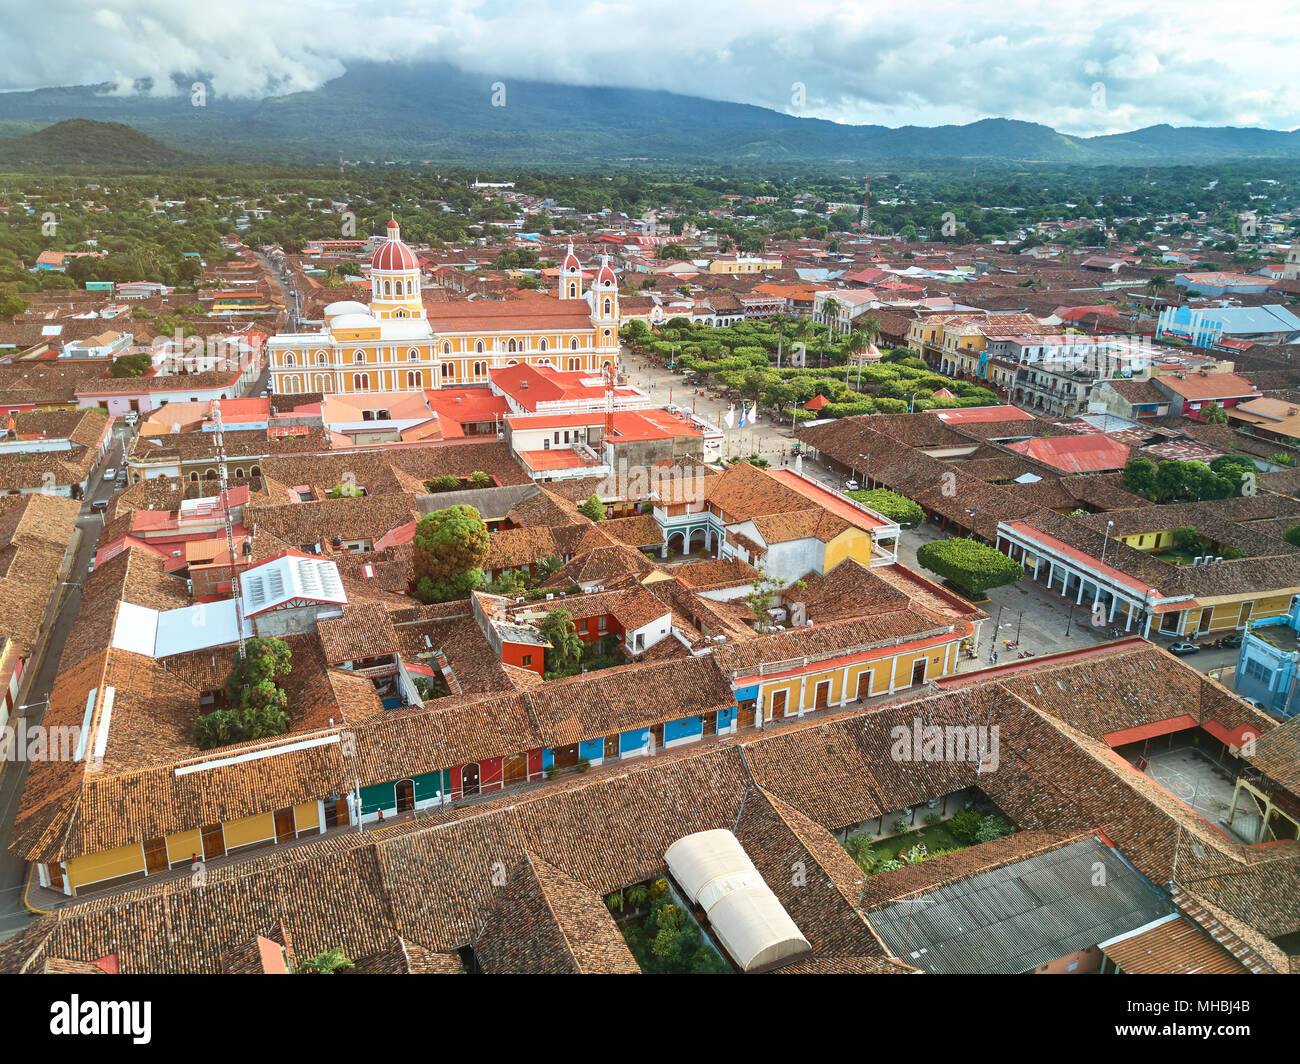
[429, 111]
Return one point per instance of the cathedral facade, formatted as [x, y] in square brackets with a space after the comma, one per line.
[396, 344]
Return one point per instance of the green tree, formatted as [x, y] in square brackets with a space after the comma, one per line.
[1292, 535]
[1139, 475]
[558, 629]
[331, 962]
[1213, 413]
[440, 484]
[449, 549]
[593, 509]
[889, 504]
[971, 567]
[135, 365]
[258, 705]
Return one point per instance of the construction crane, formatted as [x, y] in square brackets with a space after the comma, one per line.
[611, 378]
[230, 532]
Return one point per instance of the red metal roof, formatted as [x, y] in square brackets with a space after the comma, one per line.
[1093, 453]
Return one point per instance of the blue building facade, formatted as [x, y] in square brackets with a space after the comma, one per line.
[1268, 663]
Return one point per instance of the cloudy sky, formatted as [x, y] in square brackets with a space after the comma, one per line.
[1081, 66]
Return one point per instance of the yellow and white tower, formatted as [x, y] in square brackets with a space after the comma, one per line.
[603, 298]
[395, 278]
[571, 276]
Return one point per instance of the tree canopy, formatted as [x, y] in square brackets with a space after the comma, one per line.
[970, 567]
[449, 549]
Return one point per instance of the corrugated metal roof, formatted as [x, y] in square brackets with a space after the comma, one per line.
[1017, 917]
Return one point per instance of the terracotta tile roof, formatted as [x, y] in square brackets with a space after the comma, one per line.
[546, 923]
[1173, 947]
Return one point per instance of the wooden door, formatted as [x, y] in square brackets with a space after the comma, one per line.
[516, 770]
[406, 796]
[745, 714]
[469, 779]
[864, 685]
[214, 842]
[822, 695]
[918, 671]
[710, 723]
[155, 856]
[566, 756]
[611, 748]
[284, 825]
[776, 707]
[1243, 618]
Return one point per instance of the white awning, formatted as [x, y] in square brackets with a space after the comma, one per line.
[748, 918]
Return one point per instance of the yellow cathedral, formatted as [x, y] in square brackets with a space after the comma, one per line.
[397, 344]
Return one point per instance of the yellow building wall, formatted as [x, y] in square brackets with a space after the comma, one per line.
[306, 816]
[183, 846]
[249, 829]
[851, 543]
[899, 667]
[109, 864]
[1150, 540]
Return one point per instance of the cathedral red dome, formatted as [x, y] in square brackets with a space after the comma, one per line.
[392, 254]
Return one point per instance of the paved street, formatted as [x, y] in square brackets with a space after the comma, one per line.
[13, 914]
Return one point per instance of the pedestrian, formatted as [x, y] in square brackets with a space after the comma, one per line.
[995, 657]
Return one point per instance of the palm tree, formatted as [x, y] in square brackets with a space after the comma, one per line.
[1156, 285]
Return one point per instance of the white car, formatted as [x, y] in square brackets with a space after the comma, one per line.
[110, 473]
[851, 485]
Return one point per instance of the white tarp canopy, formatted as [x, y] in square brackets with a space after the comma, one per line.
[748, 918]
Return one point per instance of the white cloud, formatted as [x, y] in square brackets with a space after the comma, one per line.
[946, 61]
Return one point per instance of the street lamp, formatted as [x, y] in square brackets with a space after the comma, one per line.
[1109, 526]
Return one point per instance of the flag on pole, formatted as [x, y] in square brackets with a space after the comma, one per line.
[753, 414]
[742, 415]
[731, 416]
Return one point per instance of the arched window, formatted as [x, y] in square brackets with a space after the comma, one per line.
[575, 364]
[542, 344]
[449, 371]
[388, 288]
[573, 343]
[399, 314]
[361, 382]
[409, 289]
[414, 379]
[321, 358]
[573, 290]
[358, 356]
[480, 369]
[211, 474]
[608, 306]
[446, 347]
[412, 355]
[478, 346]
[288, 358]
[511, 345]
[194, 478]
[257, 470]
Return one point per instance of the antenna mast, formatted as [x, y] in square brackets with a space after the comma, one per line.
[230, 532]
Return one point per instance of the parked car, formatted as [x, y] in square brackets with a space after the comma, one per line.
[110, 473]
[1233, 640]
[851, 485]
[99, 506]
[1182, 649]
[1254, 702]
